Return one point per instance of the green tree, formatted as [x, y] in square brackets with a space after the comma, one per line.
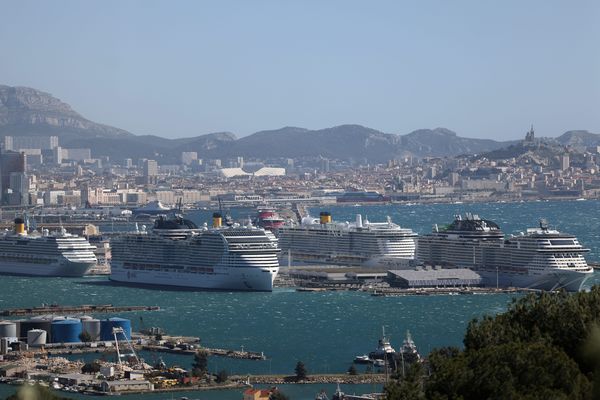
[544, 347]
[35, 392]
[352, 370]
[200, 364]
[278, 395]
[301, 372]
[222, 376]
[85, 336]
[408, 388]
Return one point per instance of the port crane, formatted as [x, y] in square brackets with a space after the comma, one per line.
[116, 331]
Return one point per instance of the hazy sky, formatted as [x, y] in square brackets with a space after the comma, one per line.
[185, 68]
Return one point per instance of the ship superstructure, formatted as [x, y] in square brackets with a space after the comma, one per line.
[541, 258]
[347, 243]
[179, 253]
[44, 254]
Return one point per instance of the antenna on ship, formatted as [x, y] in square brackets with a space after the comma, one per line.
[181, 204]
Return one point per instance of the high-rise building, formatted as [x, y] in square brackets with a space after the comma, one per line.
[127, 163]
[77, 154]
[150, 171]
[187, 157]
[19, 184]
[10, 161]
[432, 173]
[565, 162]
[16, 143]
[58, 155]
[240, 162]
[324, 164]
[453, 178]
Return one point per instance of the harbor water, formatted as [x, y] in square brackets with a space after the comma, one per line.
[325, 330]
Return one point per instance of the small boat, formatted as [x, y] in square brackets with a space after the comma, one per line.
[379, 363]
[321, 395]
[364, 359]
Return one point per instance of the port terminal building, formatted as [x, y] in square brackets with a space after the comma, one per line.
[433, 277]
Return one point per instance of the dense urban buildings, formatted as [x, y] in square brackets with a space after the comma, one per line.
[41, 173]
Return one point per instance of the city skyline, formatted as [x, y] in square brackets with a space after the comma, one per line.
[483, 71]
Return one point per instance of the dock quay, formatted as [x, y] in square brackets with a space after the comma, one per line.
[311, 379]
[393, 292]
[74, 350]
[102, 348]
[238, 354]
[85, 308]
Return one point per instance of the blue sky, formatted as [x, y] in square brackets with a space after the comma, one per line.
[183, 68]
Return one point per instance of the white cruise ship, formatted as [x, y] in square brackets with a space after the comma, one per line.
[178, 253]
[541, 258]
[46, 254]
[367, 244]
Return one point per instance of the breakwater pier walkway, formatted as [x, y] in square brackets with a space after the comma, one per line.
[86, 308]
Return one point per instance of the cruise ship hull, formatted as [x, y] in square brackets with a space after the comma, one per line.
[58, 269]
[571, 281]
[223, 278]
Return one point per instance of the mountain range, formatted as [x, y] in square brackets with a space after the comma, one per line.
[26, 111]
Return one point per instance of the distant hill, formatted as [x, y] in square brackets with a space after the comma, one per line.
[25, 111]
[443, 142]
[579, 139]
[348, 142]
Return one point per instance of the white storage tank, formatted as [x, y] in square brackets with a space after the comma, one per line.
[36, 337]
[8, 329]
[91, 326]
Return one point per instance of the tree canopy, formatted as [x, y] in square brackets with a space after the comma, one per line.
[301, 372]
[200, 364]
[545, 346]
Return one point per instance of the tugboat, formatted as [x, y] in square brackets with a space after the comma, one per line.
[384, 348]
[408, 351]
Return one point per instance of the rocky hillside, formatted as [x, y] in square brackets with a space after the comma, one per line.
[28, 111]
[579, 139]
[441, 142]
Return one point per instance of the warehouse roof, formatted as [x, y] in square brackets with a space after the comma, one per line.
[435, 274]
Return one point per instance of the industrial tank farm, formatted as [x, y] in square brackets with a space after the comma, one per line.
[42, 330]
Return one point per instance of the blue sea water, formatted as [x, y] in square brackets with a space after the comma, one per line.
[324, 330]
